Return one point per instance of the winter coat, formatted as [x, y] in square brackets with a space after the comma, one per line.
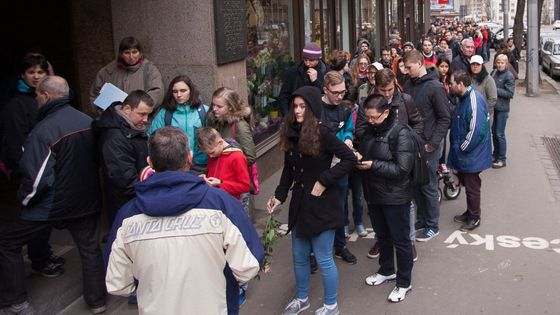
[231, 169]
[18, 118]
[123, 151]
[388, 180]
[460, 62]
[445, 54]
[129, 79]
[338, 119]
[505, 86]
[485, 85]
[403, 105]
[433, 104]
[471, 147]
[59, 166]
[431, 60]
[243, 133]
[185, 242]
[187, 119]
[308, 214]
[297, 77]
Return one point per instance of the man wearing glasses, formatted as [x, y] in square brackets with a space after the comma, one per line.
[337, 117]
[309, 72]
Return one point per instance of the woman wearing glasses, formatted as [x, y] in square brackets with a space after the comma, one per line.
[315, 208]
[387, 160]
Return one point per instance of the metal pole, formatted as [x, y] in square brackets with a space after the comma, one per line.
[532, 49]
[505, 6]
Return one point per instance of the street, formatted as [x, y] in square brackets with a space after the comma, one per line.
[509, 265]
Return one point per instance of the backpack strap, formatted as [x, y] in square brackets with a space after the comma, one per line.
[418, 95]
[146, 75]
[202, 114]
[168, 117]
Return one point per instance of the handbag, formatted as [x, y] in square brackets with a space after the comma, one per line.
[253, 169]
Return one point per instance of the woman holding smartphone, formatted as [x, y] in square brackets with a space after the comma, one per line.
[315, 208]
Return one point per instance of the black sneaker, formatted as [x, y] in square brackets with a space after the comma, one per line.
[470, 225]
[346, 255]
[49, 271]
[462, 218]
[57, 260]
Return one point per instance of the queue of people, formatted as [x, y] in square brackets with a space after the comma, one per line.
[167, 159]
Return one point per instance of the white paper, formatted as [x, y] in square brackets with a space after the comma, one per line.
[108, 95]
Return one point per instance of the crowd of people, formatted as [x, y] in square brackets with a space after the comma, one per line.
[174, 174]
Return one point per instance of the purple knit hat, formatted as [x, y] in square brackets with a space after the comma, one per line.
[312, 51]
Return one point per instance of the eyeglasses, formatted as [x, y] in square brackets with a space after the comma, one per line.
[372, 118]
[337, 93]
[363, 63]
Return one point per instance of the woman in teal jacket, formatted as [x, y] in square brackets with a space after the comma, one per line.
[183, 108]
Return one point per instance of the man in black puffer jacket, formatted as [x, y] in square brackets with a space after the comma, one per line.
[123, 147]
[59, 185]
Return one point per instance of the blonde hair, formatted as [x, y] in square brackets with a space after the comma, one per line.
[502, 57]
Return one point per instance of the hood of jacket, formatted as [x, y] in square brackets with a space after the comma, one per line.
[110, 119]
[312, 97]
[52, 106]
[431, 74]
[169, 193]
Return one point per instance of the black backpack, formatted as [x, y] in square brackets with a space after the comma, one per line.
[419, 175]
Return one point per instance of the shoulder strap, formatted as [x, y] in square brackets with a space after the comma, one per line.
[146, 75]
[233, 129]
[202, 114]
[168, 117]
[418, 95]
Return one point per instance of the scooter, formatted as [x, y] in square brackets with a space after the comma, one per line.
[451, 187]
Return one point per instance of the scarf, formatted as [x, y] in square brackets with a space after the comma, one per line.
[23, 87]
[123, 65]
[119, 111]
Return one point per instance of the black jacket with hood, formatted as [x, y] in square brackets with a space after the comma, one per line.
[311, 215]
[297, 77]
[433, 104]
[123, 151]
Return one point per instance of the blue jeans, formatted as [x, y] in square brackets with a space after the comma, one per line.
[340, 238]
[426, 196]
[499, 135]
[321, 245]
[392, 227]
[355, 185]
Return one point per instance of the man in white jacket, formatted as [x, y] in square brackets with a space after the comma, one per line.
[187, 244]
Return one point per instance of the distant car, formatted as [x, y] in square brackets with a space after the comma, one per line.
[499, 37]
[545, 36]
[551, 57]
[556, 25]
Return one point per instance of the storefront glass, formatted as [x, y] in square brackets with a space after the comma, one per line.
[366, 23]
[270, 54]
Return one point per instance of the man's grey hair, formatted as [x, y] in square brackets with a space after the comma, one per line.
[168, 149]
[56, 86]
[467, 40]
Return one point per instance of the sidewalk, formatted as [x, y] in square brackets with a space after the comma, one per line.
[509, 265]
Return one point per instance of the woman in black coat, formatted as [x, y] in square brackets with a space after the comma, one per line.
[315, 208]
[387, 160]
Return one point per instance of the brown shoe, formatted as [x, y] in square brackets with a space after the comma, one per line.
[414, 253]
[374, 251]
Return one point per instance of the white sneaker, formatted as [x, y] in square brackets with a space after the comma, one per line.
[377, 279]
[398, 294]
[295, 307]
[323, 310]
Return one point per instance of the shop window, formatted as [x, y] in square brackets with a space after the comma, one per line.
[270, 54]
[366, 23]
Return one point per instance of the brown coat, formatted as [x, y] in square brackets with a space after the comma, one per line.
[130, 79]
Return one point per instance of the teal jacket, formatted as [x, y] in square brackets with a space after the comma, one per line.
[187, 119]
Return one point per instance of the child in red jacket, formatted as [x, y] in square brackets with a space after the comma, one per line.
[227, 165]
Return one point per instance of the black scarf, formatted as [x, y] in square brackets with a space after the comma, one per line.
[382, 128]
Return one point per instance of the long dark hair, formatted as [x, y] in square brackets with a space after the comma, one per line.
[309, 135]
[194, 99]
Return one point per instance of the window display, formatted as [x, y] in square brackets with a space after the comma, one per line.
[270, 54]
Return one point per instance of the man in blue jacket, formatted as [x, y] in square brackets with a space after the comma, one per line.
[198, 236]
[471, 149]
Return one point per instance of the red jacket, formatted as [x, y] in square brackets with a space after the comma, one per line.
[231, 169]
